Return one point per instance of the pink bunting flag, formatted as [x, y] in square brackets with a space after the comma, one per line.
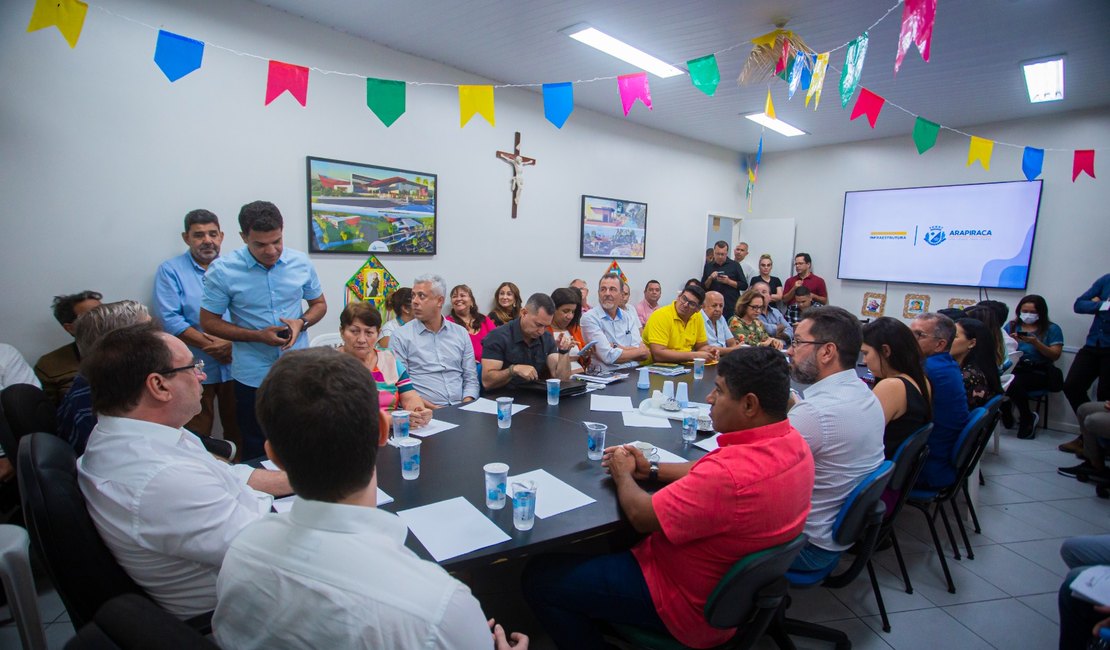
[1083, 163]
[780, 65]
[917, 28]
[286, 76]
[633, 87]
[869, 104]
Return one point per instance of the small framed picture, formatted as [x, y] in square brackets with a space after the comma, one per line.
[916, 303]
[960, 303]
[873, 305]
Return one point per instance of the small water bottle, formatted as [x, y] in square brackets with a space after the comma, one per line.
[1102, 641]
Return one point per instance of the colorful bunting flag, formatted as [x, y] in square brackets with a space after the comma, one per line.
[769, 106]
[1084, 161]
[780, 65]
[286, 76]
[633, 87]
[386, 98]
[759, 153]
[1032, 160]
[558, 102]
[67, 15]
[807, 70]
[925, 134]
[615, 269]
[796, 71]
[704, 74]
[818, 80]
[853, 68]
[917, 28]
[869, 104]
[475, 99]
[176, 55]
[980, 150]
[372, 283]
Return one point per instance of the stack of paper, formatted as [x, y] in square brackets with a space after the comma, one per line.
[483, 405]
[600, 379]
[668, 371]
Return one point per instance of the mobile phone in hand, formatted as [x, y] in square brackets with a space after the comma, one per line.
[285, 333]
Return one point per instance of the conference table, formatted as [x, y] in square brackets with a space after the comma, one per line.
[552, 438]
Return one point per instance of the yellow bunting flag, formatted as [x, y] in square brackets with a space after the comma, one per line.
[769, 107]
[980, 150]
[818, 79]
[475, 99]
[67, 15]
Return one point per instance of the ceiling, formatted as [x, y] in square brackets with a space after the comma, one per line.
[974, 76]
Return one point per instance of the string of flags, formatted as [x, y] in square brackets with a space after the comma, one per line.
[780, 53]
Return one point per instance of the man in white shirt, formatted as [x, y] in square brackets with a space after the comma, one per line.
[614, 332]
[334, 572]
[740, 253]
[14, 368]
[717, 332]
[839, 418]
[165, 507]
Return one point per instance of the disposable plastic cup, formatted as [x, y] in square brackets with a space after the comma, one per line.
[504, 412]
[497, 475]
[553, 392]
[689, 424]
[699, 368]
[595, 440]
[524, 505]
[410, 458]
[400, 424]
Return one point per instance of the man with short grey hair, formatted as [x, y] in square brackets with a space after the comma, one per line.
[580, 284]
[615, 332]
[935, 333]
[521, 350]
[437, 353]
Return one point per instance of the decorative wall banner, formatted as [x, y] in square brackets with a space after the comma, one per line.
[475, 99]
[558, 102]
[67, 15]
[176, 55]
[869, 104]
[925, 134]
[1032, 160]
[874, 304]
[386, 98]
[372, 283]
[615, 269]
[1083, 162]
[633, 87]
[960, 303]
[853, 68]
[704, 74]
[286, 76]
[980, 149]
[917, 28]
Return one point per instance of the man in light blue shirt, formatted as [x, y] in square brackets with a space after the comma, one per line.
[717, 333]
[772, 319]
[178, 288]
[261, 286]
[438, 353]
[615, 332]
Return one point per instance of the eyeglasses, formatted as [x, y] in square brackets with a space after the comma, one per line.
[922, 335]
[689, 303]
[196, 366]
[798, 342]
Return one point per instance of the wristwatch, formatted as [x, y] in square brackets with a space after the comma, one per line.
[653, 471]
[304, 324]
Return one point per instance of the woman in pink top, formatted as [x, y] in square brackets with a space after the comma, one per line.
[464, 311]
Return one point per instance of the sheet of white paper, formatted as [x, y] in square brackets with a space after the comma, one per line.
[483, 405]
[1104, 306]
[666, 456]
[451, 528]
[635, 419]
[285, 504]
[1093, 585]
[709, 444]
[432, 428]
[269, 464]
[552, 495]
[611, 403]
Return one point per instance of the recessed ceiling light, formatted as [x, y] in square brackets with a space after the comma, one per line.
[789, 130]
[1044, 78]
[583, 33]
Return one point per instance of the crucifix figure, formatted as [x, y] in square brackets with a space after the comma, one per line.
[518, 162]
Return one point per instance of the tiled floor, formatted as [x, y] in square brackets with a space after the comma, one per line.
[1005, 597]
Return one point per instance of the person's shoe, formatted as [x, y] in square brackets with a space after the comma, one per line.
[1027, 430]
[1006, 413]
[1073, 447]
[1081, 471]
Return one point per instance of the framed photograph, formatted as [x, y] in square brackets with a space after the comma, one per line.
[613, 228]
[874, 304]
[960, 303]
[359, 208]
[916, 303]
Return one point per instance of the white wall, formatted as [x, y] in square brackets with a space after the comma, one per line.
[103, 157]
[1072, 239]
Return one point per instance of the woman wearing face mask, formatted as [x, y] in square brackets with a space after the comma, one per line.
[1041, 341]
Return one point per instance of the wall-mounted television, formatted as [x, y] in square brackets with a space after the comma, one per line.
[977, 235]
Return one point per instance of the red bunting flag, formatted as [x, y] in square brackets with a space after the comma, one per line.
[869, 104]
[780, 65]
[286, 76]
[1083, 162]
[917, 28]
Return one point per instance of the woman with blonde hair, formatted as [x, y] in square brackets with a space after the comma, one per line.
[765, 264]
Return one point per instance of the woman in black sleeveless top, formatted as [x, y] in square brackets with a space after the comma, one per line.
[892, 355]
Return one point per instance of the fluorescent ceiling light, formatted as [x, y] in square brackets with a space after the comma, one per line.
[789, 130]
[1044, 78]
[583, 33]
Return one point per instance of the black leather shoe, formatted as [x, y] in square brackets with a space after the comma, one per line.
[1006, 413]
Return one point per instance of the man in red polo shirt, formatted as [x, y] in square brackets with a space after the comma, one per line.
[803, 266]
[751, 493]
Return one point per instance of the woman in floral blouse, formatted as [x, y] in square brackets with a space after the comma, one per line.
[745, 324]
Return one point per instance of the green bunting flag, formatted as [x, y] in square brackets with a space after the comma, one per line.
[704, 74]
[386, 98]
[925, 134]
[853, 68]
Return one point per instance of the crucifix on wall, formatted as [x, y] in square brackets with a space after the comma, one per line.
[518, 162]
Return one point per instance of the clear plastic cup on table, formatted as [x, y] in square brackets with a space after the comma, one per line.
[524, 505]
[497, 475]
[504, 412]
[689, 424]
[699, 368]
[595, 440]
[410, 458]
[553, 386]
[400, 421]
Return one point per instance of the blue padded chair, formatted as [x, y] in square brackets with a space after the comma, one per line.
[747, 597]
[994, 408]
[930, 501]
[858, 523]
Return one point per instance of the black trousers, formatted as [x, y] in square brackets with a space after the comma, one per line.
[1090, 363]
[253, 438]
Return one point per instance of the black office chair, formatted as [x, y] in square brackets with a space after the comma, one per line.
[131, 622]
[747, 597]
[930, 501]
[858, 523]
[27, 409]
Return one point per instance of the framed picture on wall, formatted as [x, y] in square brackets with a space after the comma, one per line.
[613, 228]
[355, 208]
[874, 304]
[960, 303]
[916, 303]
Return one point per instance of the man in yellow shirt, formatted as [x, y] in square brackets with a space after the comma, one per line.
[674, 335]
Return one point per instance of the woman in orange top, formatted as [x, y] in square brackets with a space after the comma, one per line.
[565, 324]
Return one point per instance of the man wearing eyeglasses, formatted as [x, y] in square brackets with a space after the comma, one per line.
[839, 418]
[675, 333]
[163, 505]
[935, 333]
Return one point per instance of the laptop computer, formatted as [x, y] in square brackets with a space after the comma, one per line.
[567, 387]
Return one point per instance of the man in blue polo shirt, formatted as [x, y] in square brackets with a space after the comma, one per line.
[261, 286]
[935, 333]
[178, 288]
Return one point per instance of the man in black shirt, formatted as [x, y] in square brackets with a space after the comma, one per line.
[519, 351]
[724, 275]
